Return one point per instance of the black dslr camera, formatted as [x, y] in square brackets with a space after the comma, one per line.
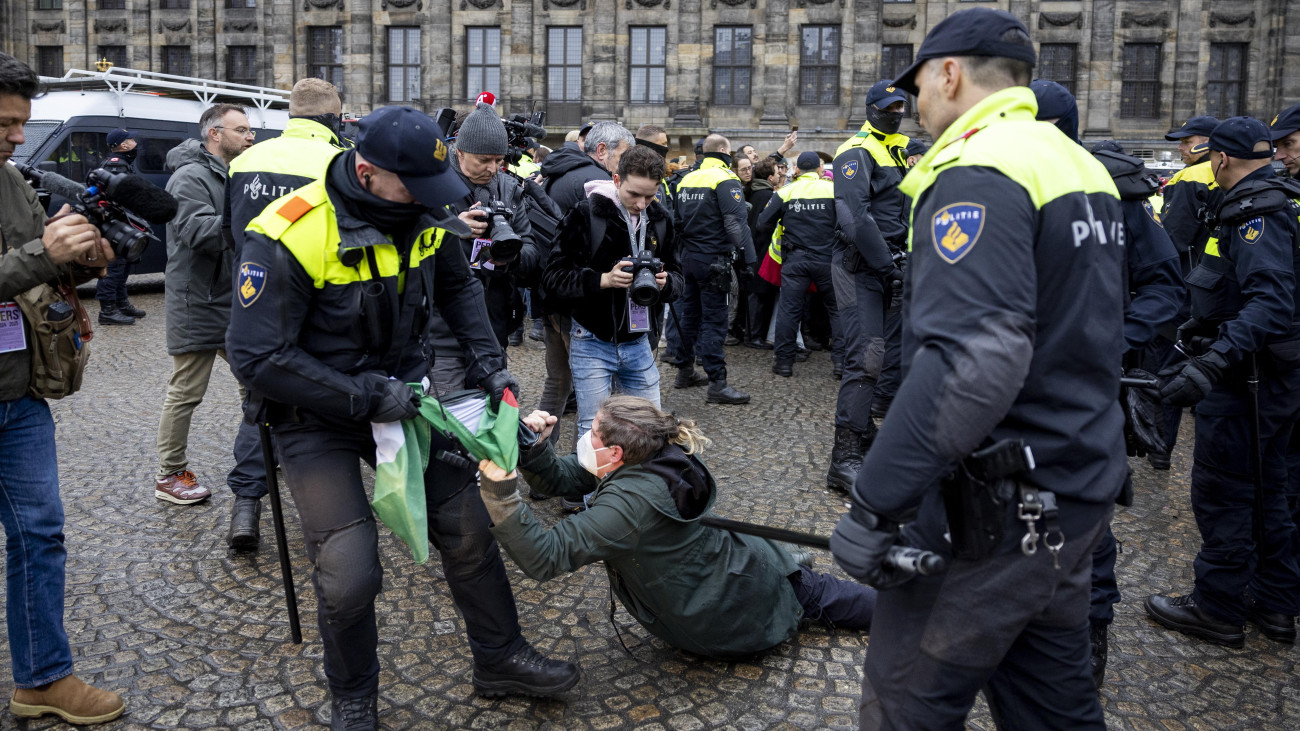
[520, 128]
[644, 290]
[506, 243]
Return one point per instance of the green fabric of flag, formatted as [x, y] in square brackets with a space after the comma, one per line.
[494, 435]
[401, 458]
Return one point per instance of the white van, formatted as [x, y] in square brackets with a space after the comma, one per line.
[69, 124]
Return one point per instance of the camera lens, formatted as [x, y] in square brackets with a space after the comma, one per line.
[128, 242]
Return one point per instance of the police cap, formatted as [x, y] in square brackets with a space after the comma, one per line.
[808, 161]
[1202, 126]
[1286, 123]
[883, 93]
[118, 136]
[972, 32]
[408, 142]
[1238, 136]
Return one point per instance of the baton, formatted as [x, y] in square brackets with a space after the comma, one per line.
[903, 558]
[1148, 383]
[281, 542]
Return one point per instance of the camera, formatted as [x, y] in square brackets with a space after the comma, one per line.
[644, 290]
[506, 244]
[520, 128]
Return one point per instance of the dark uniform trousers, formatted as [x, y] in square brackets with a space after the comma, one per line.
[800, 268]
[891, 370]
[861, 300]
[322, 466]
[703, 313]
[1223, 498]
[1012, 625]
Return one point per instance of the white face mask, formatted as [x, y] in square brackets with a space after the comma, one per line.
[587, 454]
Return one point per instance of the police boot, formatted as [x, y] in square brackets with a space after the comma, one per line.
[527, 672]
[245, 524]
[1182, 614]
[721, 393]
[1098, 638]
[110, 315]
[688, 377]
[126, 308]
[355, 714]
[846, 459]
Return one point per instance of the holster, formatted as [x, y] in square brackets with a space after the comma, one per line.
[719, 280]
[977, 494]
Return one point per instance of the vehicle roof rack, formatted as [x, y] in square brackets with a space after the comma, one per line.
[122, 80]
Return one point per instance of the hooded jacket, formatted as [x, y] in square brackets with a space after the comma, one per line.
[572, 278]
[199, 263]
[708, 591]
[567, 171]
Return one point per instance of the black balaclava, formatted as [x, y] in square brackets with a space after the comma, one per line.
[385, 215]
[882, 121]
[332, 122]
[724, 157]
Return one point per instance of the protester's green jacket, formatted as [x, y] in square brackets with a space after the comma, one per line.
[701, 589]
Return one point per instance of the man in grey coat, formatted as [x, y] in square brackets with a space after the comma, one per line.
[199, 271]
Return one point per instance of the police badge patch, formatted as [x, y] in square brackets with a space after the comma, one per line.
[849, 169]
[1251, 230]
[252, 280]
[735, 193]
[1151, 211]
[957, 227]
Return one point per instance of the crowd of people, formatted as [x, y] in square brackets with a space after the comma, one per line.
[980, 310]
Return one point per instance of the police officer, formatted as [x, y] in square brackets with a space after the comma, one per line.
[1286, 138]
[527, 165]
[868, 168]
[805, 211]
[1155, 287]
[1012, 339]
[333, 297]
[713, 233]
[1244, 328]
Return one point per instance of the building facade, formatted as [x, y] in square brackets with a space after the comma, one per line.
[751, 67]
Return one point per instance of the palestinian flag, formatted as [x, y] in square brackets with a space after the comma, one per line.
[401, 457]
[484, 433]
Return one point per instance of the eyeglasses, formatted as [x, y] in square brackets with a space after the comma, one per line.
[241, 131]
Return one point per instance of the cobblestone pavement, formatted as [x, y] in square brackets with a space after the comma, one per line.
[196, 636]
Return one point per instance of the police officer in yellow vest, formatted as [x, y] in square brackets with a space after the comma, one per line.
[868, 168]
[334, 293]
[1189, 189]
[280, 165]
[1014, 305]
[526, 165]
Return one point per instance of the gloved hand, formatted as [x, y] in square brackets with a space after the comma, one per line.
[895, 278]
[392, 400]
[861, 542]
[744, 277]
[500, 492]
[1188, 383]
[1143, 417]
[496, 384]
[1191, 335]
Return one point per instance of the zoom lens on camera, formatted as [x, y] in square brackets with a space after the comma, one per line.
[645, 289]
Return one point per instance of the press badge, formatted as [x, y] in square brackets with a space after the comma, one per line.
[474, 263]
[13, 337]
[638, 317]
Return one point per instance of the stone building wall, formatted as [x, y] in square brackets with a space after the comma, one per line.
[279, 30]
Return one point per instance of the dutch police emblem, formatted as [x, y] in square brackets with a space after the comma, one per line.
[849, 169]
[957, 227]
[252, 280]
[1251, 230]
[1151, 211]
[735, 193]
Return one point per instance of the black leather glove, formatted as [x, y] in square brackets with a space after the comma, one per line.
[1187, 384]
[744, 277]
[496, 384]
[860, 544]
[1143, 418]
[392, 400]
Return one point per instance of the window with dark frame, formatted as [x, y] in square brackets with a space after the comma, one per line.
[1057, 62]
[115, 55]
[482, 61]
[177, 61]
[733, 64]
[403, 63]
[819, 65]
[564, 63]
[647, 61]
[894, 60]
[1226, 88]
[1140, 81]
[236, 4]
[325, 53]
[174, 4]
[241, 65]
[49, 4]
[112, 4]
[49, 60]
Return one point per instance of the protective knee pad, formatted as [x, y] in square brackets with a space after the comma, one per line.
[873, 361]
[465, 543]
[348, 575]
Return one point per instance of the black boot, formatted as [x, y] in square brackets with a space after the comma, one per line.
[526, 672]
[355, 714]
[867, 438]
[721, 393]
[110, 315]
[1098, 637]
[1181, 613]
[688, 377]
[245, 524]
[535, 332]
[1275, 626]
[126, 308]
[516, 337]
[846, 459]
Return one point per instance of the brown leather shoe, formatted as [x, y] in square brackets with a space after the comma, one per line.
[182, 488]
[70, 699]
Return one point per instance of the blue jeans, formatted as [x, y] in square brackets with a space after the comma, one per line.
[32, 515]
[597, 366]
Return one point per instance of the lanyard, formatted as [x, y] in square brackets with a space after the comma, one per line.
[635, 234]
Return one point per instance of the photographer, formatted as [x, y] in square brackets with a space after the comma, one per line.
[502, 251]
[702, 589]
[609, 247]
[32, 254]
[114, 307]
